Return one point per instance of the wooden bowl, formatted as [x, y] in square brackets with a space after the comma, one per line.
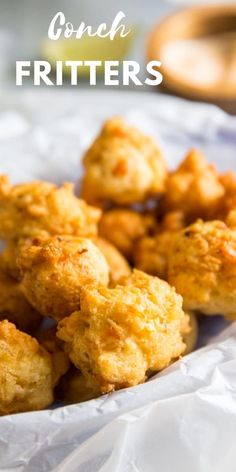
[197, 48]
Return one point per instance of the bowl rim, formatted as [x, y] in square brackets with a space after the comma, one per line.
[156, 40]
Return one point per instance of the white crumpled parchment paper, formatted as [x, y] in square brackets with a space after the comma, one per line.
[183, 419]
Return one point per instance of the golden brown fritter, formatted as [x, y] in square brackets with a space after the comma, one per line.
[151, 253]
[15, 307]
[191, 335]
[10, 254]
[41, 208]
[228, 201]
[121, 333]
[173, 221]
[54, 271]
[202, 267]
[60, 361]
[122, 166]
[123, 228]
[118, 265]
[74, 387]
[25, 372]
[194, 188]
[230, 219]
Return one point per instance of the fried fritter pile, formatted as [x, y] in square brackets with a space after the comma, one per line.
[123, 166]
[122, 281]
[46, 258]
[121, 333]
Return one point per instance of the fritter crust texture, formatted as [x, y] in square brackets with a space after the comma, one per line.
[151, 253]
[123, 166]
[194, 188]
[118, 265]
[26, 381]
[121, 333]
[60, 361]
[202, 267]
[41, 208]
[74, 387]
[15, 307]
[54, 271]
[124, 227]
[228, 202]
[10, 254]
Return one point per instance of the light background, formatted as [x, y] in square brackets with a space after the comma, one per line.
[24, 23]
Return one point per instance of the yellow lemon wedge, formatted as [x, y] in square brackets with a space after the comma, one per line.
[86, 49]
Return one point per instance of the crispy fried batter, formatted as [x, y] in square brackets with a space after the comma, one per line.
[14, 306]
[54, 271]
[228, 202]
[123, 166]
[194, 188]
[121, 333]
[202, 267]
[60, 361]
[230, 219]
[25, 372]
[9, 256]
[74, 387]
[151, 253]
[41, 208]
[123, 228]
[118, 265]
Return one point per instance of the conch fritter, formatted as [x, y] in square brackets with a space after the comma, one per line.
[151, 253]
[124, 227]
[123, 166]
[54, 271]
[10, 254]
[60, 361]
[26, 380]
[202, 268]
[41, 208]
[15, 307]
[74, 387]
[121, 333]
[230, 219]
[194, 188]
[118, 265]
[228, 202]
